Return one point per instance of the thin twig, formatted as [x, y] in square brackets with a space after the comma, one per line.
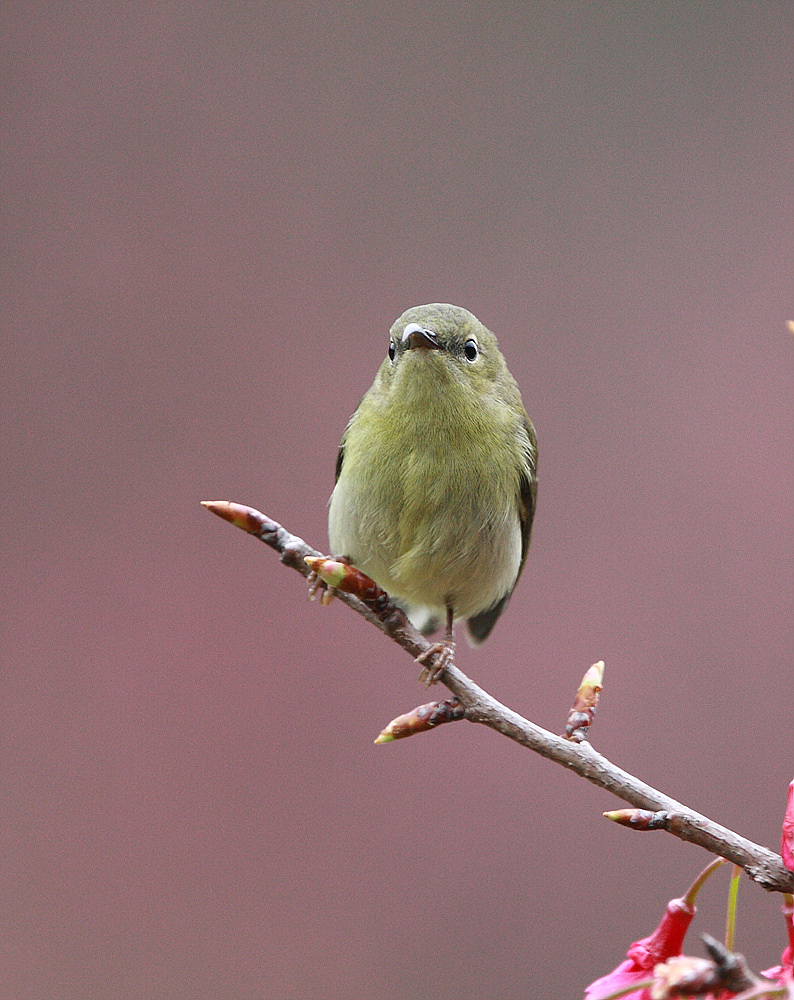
[762, 865]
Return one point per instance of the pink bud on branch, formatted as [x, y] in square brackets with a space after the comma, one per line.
[582, 712]
[240, 516]
[639, 819]
[420, 719]
[342, 576]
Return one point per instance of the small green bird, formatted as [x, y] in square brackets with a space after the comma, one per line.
[436, 478]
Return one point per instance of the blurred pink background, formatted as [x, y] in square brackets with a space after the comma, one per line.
[211, 216]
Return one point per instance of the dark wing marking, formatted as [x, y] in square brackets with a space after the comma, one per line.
[340, 457]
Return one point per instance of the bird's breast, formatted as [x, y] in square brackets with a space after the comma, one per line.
[430, 512]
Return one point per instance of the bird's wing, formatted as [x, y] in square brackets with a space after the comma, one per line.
[479, 626]
[340, 457]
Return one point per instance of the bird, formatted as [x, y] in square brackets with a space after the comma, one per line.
[436, 477]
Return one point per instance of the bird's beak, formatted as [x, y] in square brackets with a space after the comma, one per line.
[415, 336]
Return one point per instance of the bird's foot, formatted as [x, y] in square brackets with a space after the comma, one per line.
[442, 654]
[318, 586]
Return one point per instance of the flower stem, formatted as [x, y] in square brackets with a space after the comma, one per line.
[697, 885]
[730, 918]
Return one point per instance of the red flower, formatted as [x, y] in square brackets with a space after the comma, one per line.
[787, 839]
[645, 955]
[785, 971]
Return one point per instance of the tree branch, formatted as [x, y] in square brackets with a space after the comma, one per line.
[762, 865]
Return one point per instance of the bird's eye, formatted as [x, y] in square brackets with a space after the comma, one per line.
[391, 350]
[470, 350]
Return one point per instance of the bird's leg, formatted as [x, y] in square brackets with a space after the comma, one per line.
[444, 652]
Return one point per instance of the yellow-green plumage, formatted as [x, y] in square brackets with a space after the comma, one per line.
[436, 475]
